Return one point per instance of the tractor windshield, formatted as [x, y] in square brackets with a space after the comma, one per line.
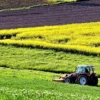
[80, 70]
[87, 69]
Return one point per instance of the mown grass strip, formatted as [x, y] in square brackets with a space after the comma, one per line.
[45, 60]
[25, 84]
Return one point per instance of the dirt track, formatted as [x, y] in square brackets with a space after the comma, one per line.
[88, 11]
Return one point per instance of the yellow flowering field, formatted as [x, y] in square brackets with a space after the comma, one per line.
[81, 38]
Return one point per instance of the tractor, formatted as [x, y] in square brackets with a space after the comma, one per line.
[84, 75]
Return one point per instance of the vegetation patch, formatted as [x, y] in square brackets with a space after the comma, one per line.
[25, 84]
[75, 38]
[44, 60]
[60, 1]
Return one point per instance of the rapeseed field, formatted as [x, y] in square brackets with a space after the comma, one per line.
[76, 38]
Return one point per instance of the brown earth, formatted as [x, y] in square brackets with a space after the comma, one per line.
[86, 11]
[4, 4]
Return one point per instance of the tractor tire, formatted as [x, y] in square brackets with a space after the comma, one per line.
[67, 80]
[94, 81]
[82, 80]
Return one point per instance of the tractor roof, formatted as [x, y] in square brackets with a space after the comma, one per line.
[89, 66]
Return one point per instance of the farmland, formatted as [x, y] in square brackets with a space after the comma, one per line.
[25, 84]
[60, 1]
[67, 13]
[16, 83]
[24, 4]
[41, 42]
[44, 60]
[74, 38]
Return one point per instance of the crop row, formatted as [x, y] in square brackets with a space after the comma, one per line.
[82, 38]
[60, 47]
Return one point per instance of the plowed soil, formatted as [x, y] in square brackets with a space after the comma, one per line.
[86, 11]
[4, 4]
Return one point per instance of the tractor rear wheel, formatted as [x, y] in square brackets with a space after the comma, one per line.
[82, 80]
[94, 81]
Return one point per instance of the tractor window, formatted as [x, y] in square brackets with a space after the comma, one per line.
[87, 70]
[80, 70]
[91, 70]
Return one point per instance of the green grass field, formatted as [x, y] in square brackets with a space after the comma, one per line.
[46, 60]
[31, 57]
[26, 81]
[35, 85]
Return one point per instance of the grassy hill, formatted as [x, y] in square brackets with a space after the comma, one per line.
[19, 83]
[31, 57]
[29, 85]
[45, 60]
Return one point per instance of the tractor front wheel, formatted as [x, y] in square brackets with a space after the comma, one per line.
[82, 80]
[67, 80]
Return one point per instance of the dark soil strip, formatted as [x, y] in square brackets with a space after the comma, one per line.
[4, 4]
[80, 12]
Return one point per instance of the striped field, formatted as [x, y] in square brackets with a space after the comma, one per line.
[74, 38]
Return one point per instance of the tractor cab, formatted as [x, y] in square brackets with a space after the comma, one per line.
[81, 69]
